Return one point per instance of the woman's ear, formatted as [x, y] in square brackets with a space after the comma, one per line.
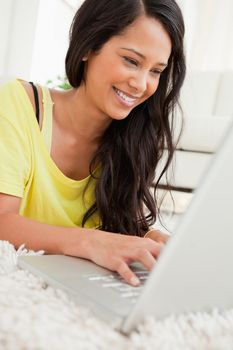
[85, 58]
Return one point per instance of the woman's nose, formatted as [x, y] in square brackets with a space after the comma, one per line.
[139, 82]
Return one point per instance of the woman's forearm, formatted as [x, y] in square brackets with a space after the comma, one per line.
[110, 250]
[38, 236]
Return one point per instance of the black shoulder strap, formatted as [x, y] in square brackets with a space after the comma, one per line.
[36, 100]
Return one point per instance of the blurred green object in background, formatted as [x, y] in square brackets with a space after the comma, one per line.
[59, 82]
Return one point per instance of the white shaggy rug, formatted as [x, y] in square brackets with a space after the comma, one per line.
[34, 316]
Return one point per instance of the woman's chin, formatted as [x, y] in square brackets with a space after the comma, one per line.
[119, 114]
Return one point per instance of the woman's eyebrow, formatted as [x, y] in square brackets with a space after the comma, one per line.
[141, 55]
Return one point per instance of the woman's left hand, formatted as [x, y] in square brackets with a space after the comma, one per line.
[158, 236]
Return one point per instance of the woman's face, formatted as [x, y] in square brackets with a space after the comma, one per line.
[126, 71]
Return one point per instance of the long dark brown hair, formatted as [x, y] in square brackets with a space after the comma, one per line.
[131, 148]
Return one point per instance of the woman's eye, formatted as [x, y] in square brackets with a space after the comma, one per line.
[131, 61]
[156, 72]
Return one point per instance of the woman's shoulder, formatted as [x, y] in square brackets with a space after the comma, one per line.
[9, 95]
[10, 92]
[16, 97]
[16, 112]
[15, 108]
[8, 87]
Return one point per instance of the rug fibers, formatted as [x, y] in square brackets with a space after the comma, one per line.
[34, 315]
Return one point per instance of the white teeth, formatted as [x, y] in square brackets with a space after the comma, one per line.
[125, 97]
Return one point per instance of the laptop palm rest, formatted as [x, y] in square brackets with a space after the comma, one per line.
[72, 275]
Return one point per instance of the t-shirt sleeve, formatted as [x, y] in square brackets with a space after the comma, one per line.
[15, 158]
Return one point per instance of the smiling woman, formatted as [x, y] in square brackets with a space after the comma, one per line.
[137, 67]
[80, 183]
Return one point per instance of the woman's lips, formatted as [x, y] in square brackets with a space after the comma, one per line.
[125, 99]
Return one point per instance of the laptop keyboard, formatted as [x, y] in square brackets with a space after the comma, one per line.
[116, 283]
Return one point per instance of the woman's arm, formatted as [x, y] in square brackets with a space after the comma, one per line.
[157, 236]
[35, 235]
[110, 250]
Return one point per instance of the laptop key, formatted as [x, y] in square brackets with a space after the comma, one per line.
[110, 285]
[119, 285]
[130, 294]
[121, 288]
[101, 278]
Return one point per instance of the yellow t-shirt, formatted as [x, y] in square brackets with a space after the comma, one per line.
[27, 169]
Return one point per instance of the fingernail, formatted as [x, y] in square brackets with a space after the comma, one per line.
[135, 281]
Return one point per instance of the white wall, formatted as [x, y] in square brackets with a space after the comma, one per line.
[51, 40]
[209, 30]
[6, 10]
[17, 32]
[34, 37]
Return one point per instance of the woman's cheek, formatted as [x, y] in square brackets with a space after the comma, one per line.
[122, 72]
[153, 87]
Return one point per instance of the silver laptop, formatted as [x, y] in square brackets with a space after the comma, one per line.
[193, 273]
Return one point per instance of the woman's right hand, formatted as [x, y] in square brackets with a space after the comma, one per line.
[116, 251]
